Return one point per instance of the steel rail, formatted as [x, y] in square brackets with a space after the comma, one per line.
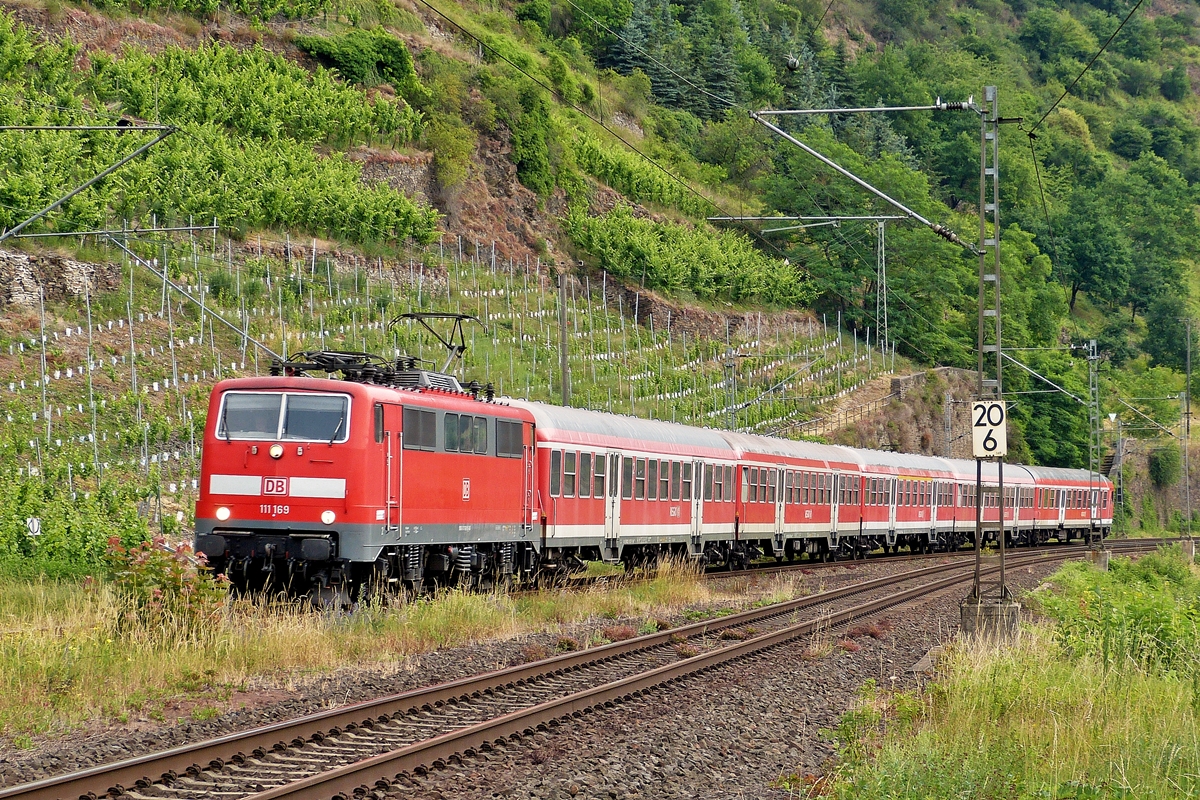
[371, 773]
[142, 770]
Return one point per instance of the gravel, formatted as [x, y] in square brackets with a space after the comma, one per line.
[785, 694]
[727, 734]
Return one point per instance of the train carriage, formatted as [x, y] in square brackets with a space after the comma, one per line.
[627, 489]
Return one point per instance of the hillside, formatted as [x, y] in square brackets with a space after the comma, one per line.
[366, 159]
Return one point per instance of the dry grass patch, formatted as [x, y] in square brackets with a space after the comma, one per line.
[69, 654]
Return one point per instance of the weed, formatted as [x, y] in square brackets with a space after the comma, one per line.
[205, 713]
[849, 645]
[731, 635]
[618, 633]
[23, 742]
[677, 639]
[685, 651]
[533, 652]
[566, 644]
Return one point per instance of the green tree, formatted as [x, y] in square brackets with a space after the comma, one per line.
[1166, 332]
[1176, 85]
[1096, 250]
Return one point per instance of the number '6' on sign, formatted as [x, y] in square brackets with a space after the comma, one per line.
[989, 429]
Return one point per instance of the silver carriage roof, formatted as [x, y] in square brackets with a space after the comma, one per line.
[577, 424]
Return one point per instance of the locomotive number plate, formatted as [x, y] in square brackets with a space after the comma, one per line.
[274, 510]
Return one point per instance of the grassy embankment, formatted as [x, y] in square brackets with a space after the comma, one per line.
[1100, 699]
[85, 653]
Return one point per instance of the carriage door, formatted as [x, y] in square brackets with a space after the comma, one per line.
[779, 498]
[890, 483]
[528, 511]
[697, 503]
[835, 500]
[612, 502]
[388, 432]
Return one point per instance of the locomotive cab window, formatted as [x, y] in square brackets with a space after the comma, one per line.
[276, 415]
[509, 439]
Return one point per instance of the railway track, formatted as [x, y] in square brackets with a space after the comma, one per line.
[369, 743]
[767, 567]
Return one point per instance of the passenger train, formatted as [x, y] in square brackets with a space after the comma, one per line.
[397, 475]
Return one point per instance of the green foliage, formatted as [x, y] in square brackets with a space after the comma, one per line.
[169, 592]
[535, 11]
[452, 143]
[674, 257]
[635, 178]
[75, 530]
[258, 10]
[248, 122]
[1142, 612]
[1176, 85]
[522, 106]
[1163, 464]
[367, 58]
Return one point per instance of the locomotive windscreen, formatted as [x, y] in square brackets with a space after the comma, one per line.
[272, 415]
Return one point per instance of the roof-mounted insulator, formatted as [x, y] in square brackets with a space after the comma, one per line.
[947, 234]
[489, 392]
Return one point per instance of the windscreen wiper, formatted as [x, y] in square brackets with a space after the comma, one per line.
[338, 429]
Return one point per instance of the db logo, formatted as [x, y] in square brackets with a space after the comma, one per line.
[275, 485]
[466, 488]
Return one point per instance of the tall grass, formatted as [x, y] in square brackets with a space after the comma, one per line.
[72, 653]
[1103, 702]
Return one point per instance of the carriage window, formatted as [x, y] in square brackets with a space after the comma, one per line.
[708, 482]
[652, 480]
[687, 481]
[420, 429]
[627, 478]
[745, 484]
[639, 482]
[729, 484]
[804, 491]
[379, 422]
[569, 475]
[750, 485]
[555, 472]
[509, 438]
[481, 435]
[676, 475]
[664, 481]
[450, 428]
[771, 478]
[598, 477]
[585, 474]
[787, 487]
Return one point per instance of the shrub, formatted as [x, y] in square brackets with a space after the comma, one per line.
[170, 592]
[452, 143]
[368, 58]
[1163, 464]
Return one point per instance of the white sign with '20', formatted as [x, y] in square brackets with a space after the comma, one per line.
[989, 429]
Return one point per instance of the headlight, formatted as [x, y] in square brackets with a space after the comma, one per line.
[328, 517]
[276, 450]
[223, 513]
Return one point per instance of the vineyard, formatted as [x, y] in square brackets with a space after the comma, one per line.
[105, 394]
